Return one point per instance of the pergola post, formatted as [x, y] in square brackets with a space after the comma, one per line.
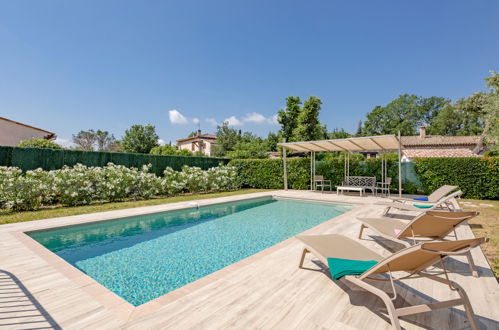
[285, 165]
[382, 166]
[400, 166]
[313, 167]
[311, 170]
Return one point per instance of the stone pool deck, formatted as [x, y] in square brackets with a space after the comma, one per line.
[266, 290]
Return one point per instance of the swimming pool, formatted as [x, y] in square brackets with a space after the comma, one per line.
[141, 258]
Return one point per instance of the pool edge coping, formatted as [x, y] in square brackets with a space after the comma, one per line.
[119, 306]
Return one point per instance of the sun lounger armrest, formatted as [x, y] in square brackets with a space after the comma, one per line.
[399, 200]
[457, 253]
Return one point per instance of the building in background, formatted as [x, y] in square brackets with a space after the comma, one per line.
[423, 145]
[13, 132]
[199, 142]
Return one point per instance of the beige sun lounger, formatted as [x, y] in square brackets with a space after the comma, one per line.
[413, 260]
[434, 197]
[431, 225]
[447, 203]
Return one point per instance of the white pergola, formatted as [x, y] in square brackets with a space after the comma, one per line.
[381, 143]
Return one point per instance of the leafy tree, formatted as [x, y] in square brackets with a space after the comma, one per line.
[114, 146]
[227, 138]
[308, 125]
[169, 150]
[491, 113]
[255, 148]
[288, 117]
[464, 117]
[39, 143]
[359, 129]
[104, 140]
[403, 114]
[236, 144]
[339, 133]
[492, 82]
[139, 139]
[446, 123]
[89, 140]
[471, 110]
[272, 141]
[85, 140]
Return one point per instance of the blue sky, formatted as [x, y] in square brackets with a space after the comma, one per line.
[67, 66]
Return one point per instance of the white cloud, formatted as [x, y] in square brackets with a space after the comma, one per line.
[212, 121]
[258, 118]
[66, 143]
[254, 117]
[233, 121]
[195, 120]
[161, 142]
[176, 117]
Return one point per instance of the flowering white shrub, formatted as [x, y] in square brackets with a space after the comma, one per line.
[195, 179]
[80, 184]
[171, 183]
[75, 185]
[222, 178]
[118, 182]
[19, 192]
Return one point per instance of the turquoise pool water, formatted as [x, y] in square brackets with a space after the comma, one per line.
[143, 257]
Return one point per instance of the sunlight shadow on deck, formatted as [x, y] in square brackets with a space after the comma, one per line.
[18, 308]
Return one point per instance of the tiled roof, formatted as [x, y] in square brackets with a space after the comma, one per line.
[443, 152]
[439, 140]
[201, 137]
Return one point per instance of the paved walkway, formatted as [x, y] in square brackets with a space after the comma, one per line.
[266, 290]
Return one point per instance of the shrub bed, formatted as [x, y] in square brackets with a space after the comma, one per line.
[478, 178]
[81, 185]
[268, 173]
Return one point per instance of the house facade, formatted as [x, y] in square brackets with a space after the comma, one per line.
[424, 145]
[13, 132]
[200, 142]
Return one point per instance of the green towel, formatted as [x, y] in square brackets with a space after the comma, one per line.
[342, 267]
[423, 206]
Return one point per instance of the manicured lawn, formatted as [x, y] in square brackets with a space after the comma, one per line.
[487, 225]
[11, 217]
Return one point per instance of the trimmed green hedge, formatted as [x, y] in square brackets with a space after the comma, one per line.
[268, 173]
[52, 159]
[476, 177]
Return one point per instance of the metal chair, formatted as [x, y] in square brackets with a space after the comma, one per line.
[320, 182]
[384, 187]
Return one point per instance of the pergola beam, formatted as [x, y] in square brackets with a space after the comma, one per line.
[376, 143]
[318, 146]
[355, 144]
[334, 144]
[299, 148]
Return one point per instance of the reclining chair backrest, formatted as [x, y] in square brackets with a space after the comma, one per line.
[419, 257]
[441, 193]
[436, 224]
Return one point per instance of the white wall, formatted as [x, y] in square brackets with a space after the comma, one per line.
[187, 145]
[11, 134]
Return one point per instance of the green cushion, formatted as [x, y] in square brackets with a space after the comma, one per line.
[342, 267]
[423, 206]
